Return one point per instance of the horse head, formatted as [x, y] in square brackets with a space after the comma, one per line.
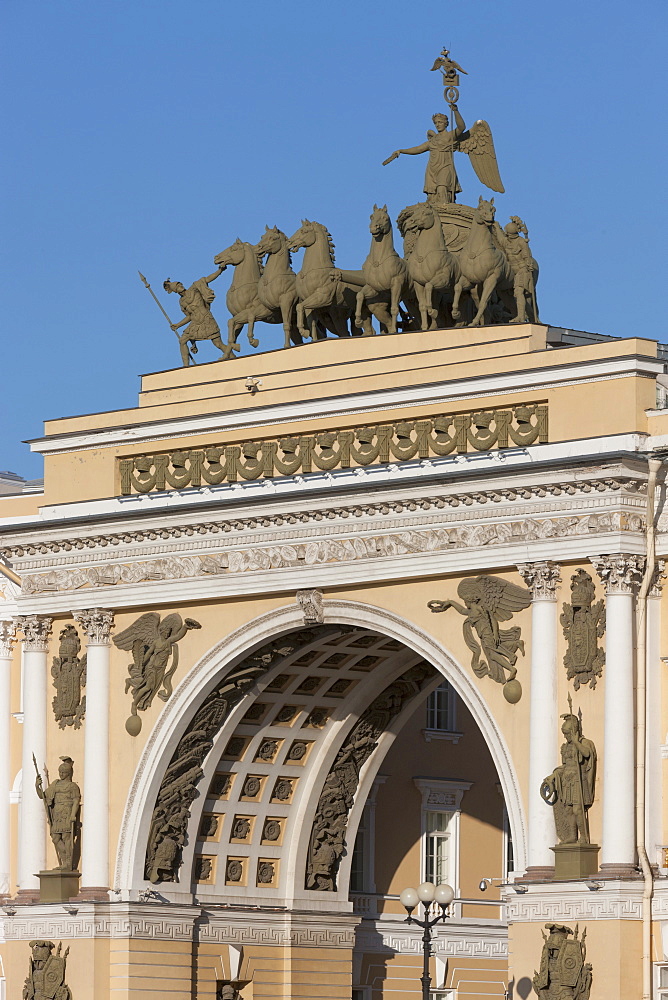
[380, 223]
[234, 254]
[485, 211]
[273, 240]
[423, 216]
[304, 237]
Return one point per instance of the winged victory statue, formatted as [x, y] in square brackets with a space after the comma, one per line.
[441, 184]
[153, 642]
[489, 600]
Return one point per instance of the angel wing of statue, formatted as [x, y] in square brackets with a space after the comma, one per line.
[479, 145]
[500, 597]
[139, 636]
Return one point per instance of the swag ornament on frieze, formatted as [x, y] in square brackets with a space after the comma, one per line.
[378, 444]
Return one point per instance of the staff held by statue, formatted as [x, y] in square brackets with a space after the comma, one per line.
[40, 789]
[164, 313]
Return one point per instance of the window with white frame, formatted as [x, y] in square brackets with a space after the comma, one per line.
[443, 995]
[662, 982]
[442, 708]
[439, 848]
[441, 801]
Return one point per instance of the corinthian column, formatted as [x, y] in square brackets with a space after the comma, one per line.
[542, 578]
[7, 636]
[621, 575]
[97, 624]
[32, 841]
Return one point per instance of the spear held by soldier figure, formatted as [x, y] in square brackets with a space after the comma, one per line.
[160, 307]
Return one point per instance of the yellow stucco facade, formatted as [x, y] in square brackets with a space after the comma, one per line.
[326, 739]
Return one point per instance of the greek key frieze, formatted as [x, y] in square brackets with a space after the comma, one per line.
[405, 441]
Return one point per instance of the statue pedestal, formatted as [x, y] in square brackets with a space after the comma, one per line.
[575, 860]
[58, 886]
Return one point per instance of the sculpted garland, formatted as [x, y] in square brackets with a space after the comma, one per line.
[458, 267]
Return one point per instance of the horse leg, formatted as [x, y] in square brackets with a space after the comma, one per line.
[429, 301]
[488, 287]
[422, 305]
[301, 322]
[234, 328]
[362, 295]
[287, 304]
[251, 327]
[395, 294]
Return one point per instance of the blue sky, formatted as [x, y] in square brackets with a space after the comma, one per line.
[149, 135]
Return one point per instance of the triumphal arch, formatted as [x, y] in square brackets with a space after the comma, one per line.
[308, 627]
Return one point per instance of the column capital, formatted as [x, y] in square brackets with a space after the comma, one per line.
[7, 638]
[620, 572]
[97, 623]
[541, 578]
[36, 631]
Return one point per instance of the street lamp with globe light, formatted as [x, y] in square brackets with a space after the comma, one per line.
[429, 895]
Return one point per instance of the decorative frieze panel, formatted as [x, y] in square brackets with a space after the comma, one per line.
[529, 501]
[321, 550]
[480, 430]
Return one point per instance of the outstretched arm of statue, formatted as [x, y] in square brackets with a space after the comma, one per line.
[460, 126]
[177, 326]
[216, 274]
[444, 605]
[422, 148]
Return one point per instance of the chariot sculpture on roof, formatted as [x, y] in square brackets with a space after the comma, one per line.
[459, 266]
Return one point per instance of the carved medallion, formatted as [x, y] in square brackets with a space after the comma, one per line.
[69, 676]
[583, 623]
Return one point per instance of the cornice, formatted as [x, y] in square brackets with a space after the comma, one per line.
[558, 496]
[535, 379]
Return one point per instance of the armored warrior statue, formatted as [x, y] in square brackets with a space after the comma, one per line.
[515, 244]
[195, 303]
[570, 787]
[46, 978]
[62, 800]
[564, 974]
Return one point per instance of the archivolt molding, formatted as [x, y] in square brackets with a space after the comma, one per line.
[221, 659]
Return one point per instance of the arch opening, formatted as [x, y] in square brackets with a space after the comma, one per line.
[282, 740]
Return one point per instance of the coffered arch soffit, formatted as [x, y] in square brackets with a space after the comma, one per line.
[327, 701]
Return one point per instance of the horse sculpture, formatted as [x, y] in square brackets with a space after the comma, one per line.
[242, 298]
[432, 268]
[484, 267]
[385, 274]
[277, 287]
[327, 295]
